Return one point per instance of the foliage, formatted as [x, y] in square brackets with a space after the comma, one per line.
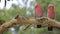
[6, 15]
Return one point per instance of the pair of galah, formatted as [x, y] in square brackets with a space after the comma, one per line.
[39, 13]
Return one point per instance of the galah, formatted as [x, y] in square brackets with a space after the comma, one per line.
[51, 14]
[38, 13]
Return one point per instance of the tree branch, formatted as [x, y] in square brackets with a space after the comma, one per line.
[18, 20]
[50, 22]
[15, 21]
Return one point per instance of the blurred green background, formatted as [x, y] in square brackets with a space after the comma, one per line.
[6, 15]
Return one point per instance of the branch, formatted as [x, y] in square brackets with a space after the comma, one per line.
[15, 21]
[19, 20]
[50, 22]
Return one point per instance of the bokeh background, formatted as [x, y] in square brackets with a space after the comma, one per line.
[26, 9]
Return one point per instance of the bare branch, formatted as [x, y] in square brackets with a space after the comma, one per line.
[19, 20]
[16, 21]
